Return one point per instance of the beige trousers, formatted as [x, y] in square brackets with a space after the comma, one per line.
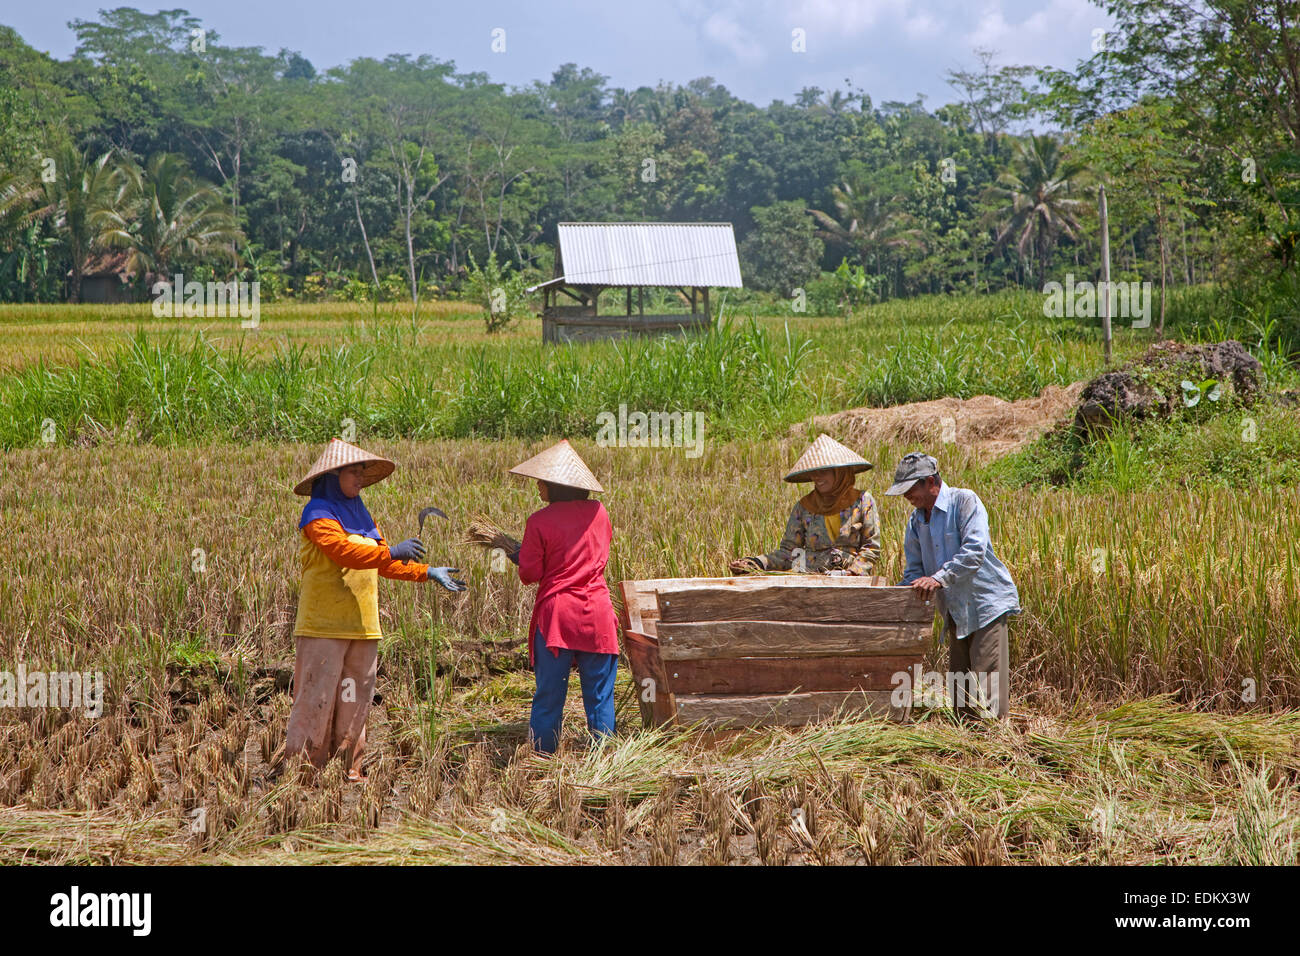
[333, 684]
[983, 658]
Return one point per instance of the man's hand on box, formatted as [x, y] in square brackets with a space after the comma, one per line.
[926, 585]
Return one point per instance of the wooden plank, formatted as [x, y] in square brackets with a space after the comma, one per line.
[629, 615]
[792, 710]
[630, 322]
[647, 606]
[702, 640]
[566, 331]
[642, 611]
[795, 603]
[763, 582]
[646, 602]
[650, 621]
[655, 698]
[783, 675]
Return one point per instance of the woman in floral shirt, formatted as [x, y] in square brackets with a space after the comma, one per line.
[832, 529]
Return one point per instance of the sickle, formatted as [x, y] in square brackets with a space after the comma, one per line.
[425, 512]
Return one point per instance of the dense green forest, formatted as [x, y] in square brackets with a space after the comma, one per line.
[393, 178]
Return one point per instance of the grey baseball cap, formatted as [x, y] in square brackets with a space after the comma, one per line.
[914, 466]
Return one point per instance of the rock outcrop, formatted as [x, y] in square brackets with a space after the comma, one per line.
[1150, 386]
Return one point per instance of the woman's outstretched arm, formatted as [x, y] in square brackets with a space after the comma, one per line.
[328, 535]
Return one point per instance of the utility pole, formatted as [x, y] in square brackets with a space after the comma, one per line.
[1105, 273]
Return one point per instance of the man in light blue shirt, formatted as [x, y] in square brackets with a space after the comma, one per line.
[949, 554]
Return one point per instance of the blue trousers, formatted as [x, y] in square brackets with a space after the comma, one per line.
[595, 673]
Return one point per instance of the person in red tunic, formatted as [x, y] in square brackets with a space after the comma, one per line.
[564, 552]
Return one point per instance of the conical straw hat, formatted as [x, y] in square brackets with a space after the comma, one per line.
[560, 465]
[339, 453]
[826, 452]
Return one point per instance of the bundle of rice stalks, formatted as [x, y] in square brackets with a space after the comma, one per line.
[484, 532]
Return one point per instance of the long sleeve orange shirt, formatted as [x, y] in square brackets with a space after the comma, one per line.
[328, 535]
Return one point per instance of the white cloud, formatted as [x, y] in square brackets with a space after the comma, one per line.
[918, 26]
[725, 29]
[892, 49]
[750, 30]
[845, 18]
[1053, 33]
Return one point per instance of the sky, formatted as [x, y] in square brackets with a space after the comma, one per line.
[891, 49]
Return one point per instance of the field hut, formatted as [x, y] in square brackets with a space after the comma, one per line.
[106, 280]
[593, 257]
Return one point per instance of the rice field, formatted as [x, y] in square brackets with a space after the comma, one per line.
[58, 335]
[308, 368]
[1155, 671]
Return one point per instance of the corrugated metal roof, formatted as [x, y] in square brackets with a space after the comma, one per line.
[649, 253]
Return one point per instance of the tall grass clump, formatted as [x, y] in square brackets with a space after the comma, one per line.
[1011, 359]
[170, 391]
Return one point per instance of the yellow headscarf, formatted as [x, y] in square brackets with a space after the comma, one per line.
[842, 494]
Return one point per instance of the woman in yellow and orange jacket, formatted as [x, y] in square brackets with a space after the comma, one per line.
[337, 630]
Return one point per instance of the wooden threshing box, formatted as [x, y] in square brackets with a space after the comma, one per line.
[771, 650]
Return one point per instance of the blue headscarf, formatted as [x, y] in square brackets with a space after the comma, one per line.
[329, 501]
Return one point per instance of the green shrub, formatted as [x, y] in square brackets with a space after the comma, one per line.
[846, 291]
[499, 291]
[1240, 448]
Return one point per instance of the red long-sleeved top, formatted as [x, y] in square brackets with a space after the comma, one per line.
[564, 551]
[328, 535]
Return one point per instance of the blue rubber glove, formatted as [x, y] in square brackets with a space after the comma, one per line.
[409, 550]
[444, 577]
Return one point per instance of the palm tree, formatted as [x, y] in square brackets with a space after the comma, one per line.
[173, 216]
[25, 251]
[630, 106]
[19, 195]
[659, 105]
[836, 101]
[78, 196]
[86, 193]
[866, 222]
[1035, 191]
